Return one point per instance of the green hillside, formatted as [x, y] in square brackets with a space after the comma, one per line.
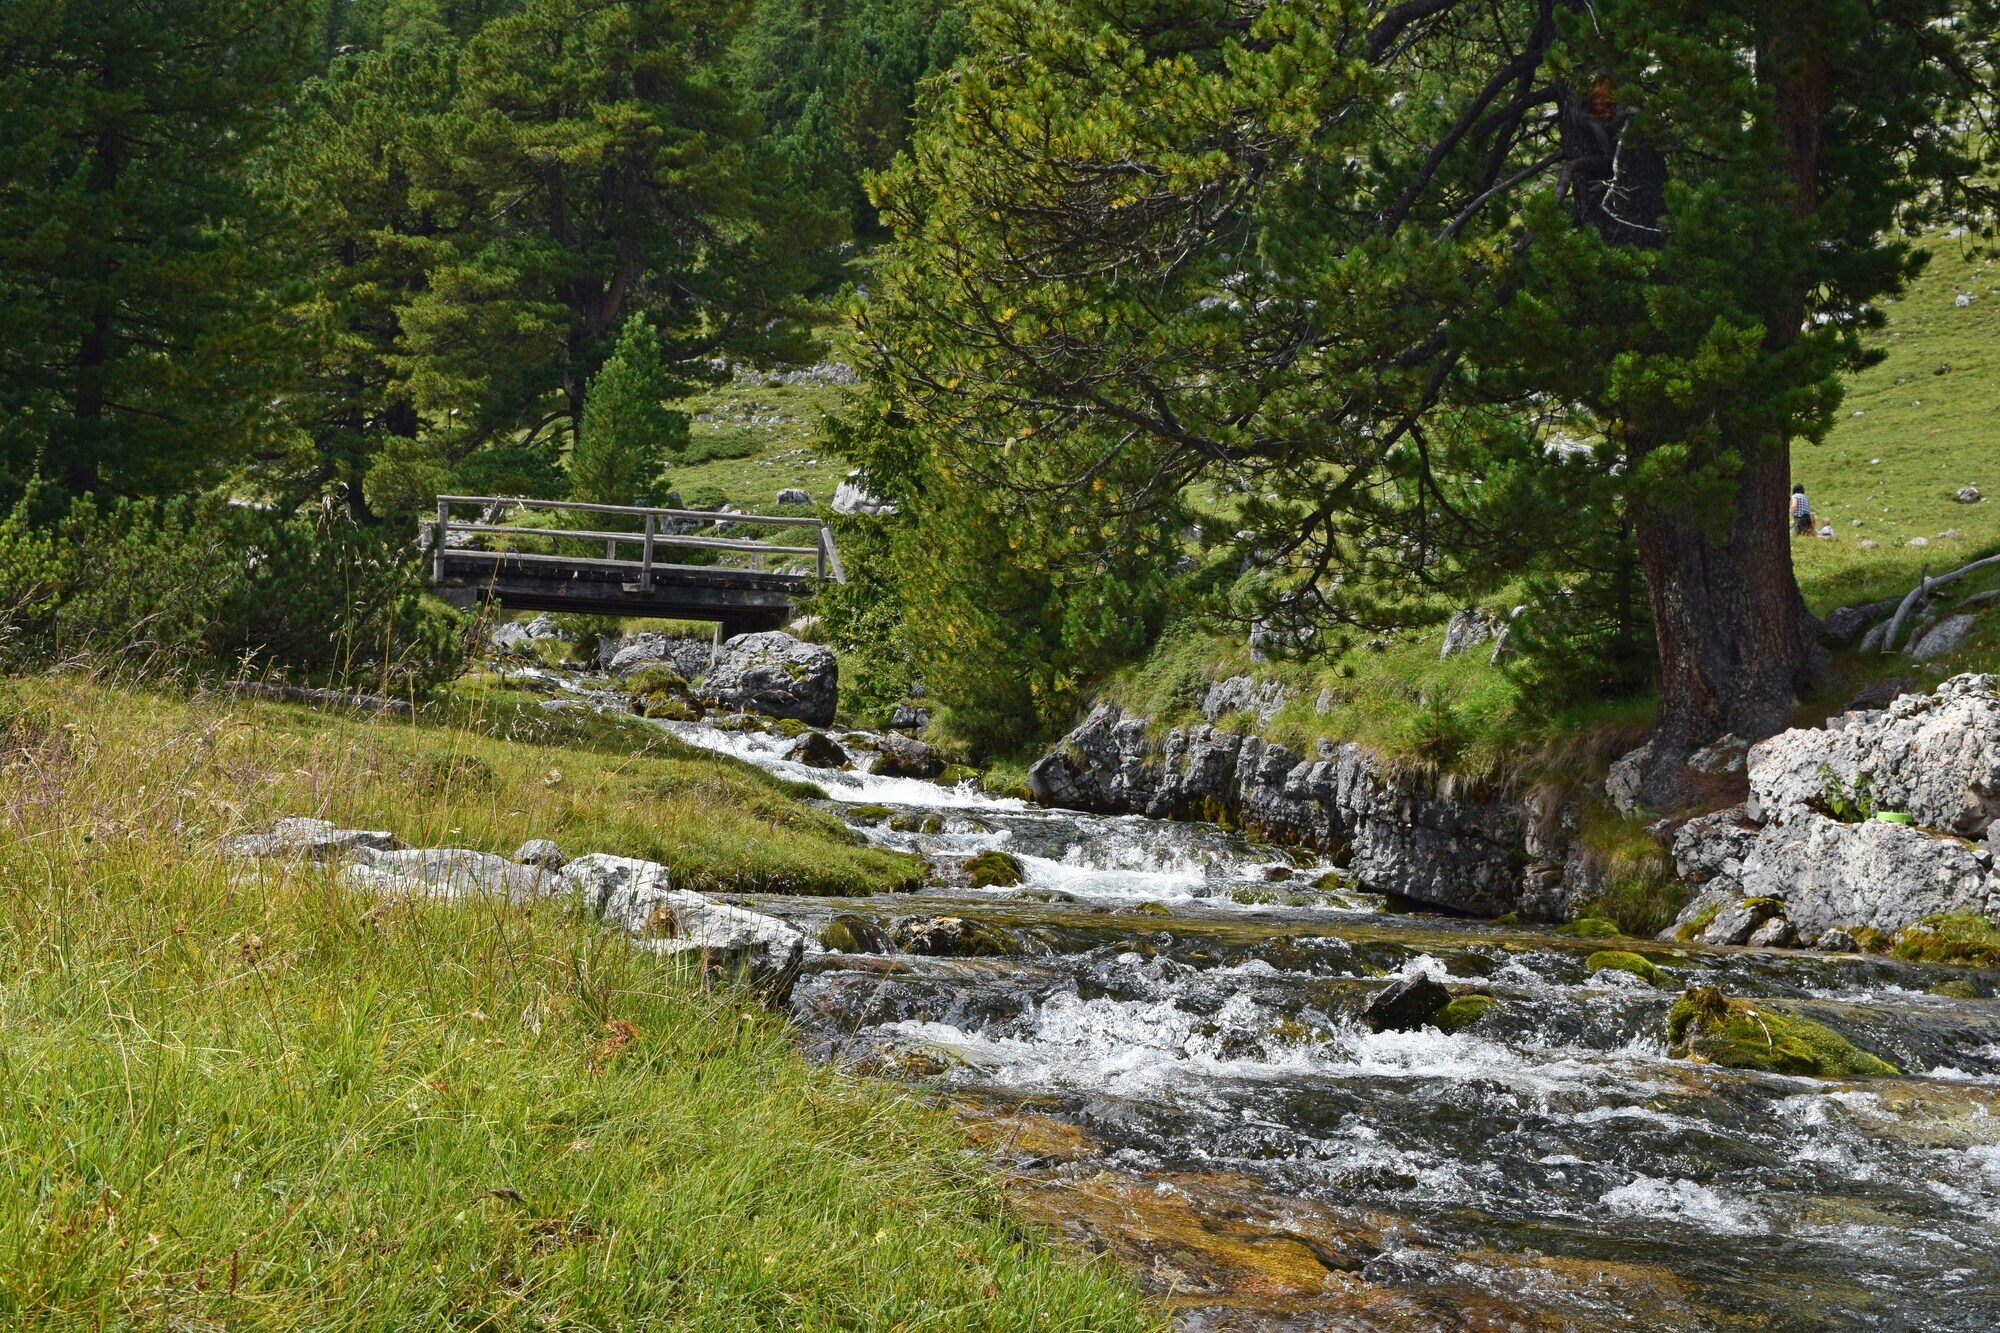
[1913, 430]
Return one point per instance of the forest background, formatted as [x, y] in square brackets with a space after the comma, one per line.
[1301, 325]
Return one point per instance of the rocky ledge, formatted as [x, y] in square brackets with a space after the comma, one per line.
[1435, 839]
[633, 896]
[1866, 826]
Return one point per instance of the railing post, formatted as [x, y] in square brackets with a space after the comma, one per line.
[437, 545]
[822, 553]
[646, 574]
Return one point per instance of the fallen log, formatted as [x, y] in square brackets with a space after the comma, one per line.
[1923, 588]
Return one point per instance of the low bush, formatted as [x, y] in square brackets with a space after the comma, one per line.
[203, 586]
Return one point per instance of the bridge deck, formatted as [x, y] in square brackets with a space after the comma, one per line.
[759, 588]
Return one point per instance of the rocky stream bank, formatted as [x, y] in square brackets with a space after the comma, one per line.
[1286, 1101]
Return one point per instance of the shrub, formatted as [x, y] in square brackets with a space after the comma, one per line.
[198, 585]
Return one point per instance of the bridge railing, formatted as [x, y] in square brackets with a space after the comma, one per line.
[659, 530]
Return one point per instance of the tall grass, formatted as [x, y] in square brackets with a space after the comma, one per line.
[253, 1100]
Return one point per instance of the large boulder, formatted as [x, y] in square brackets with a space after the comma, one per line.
[777, 675]
[1805, 841]
[905, 757]
[1935, 756]
[685, 655]
[637, 897]
[852, 496]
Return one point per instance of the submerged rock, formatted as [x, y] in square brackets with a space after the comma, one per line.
[1706, 1026]
[1590, 928]
[994, 869]
[1465, 1010]
[1619, 960]
[848, 933]
[777, 675]
[954, 937]
[1406, 1004]
[816, 750]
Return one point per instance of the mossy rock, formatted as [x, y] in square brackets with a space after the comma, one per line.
[1954, 937]
[1269, 896]
[1333, 881]
[913, 823]
[668, 708]
[957, 775]
[655, 680]
[1464, 1011]
[789, 727]
[1618, 960]
[869, 814]
[994, 870]
[1507, 919]
[847, 933]
[1959, 988]
[1707, 1026]
[1591, 928]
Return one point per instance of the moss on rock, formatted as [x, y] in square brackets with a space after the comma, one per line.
[1464, 1011]
[1619, 960]
[1591, 928]
[1956, 989]
[1707, 1026]
[994, 869]
[1955, 937]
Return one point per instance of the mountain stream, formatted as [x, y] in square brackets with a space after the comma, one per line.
[1161, 1050]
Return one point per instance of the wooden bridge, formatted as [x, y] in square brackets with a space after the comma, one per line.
[746, 583]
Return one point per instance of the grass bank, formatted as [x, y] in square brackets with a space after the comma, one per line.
[264, 1103]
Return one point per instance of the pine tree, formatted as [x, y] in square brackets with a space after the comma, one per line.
[629, 434]
[1334, 269]
[132, 358]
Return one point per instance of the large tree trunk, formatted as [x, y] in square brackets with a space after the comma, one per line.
[1736, 643]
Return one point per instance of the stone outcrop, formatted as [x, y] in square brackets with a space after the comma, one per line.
[1934, 756]
[636, 897]
[308, 840]
[1804, 857]
[444, 872]
[1436, 840]
[774, 674]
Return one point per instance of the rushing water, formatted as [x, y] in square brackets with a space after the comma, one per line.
[1177, 1078]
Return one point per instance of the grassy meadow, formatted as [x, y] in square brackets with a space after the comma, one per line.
[241, 1099]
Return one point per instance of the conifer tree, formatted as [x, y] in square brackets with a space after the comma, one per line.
[629, 434]
[134, 357]
[1303, 286]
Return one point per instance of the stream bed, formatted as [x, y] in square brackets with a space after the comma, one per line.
[1163, 1053]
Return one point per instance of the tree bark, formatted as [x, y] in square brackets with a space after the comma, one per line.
[1736, 642]
[1736, 647]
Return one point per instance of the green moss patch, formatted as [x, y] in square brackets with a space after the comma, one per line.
[1707, 1026]
[1618, 960]
[1591, 928]
[1955, 937]
[1464, 1011]
[994, 870]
